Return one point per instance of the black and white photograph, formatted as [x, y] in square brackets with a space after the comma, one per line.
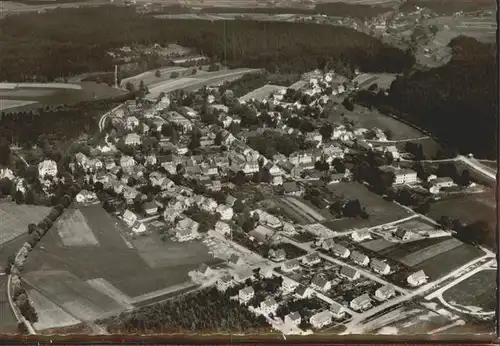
[280, 169]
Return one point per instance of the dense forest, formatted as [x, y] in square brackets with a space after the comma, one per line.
[457, 102]
[205, 311]
[66, 42]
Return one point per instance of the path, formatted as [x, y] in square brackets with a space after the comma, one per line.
[397, 141]
[439, 330]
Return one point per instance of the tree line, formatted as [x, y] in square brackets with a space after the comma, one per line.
[35, 48]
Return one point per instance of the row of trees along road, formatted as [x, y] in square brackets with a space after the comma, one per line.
[16, 262]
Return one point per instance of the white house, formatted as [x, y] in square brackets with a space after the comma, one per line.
[129, 217]
[132, 122]
[360, 258]
[385, 292]
[245, 294]
[269, 306]
[360, 303]
[417, 278]
[290, 265]
[85, 196]
[337, 309]
[138, 227]
[224, 283]
[321, 319]
[442, 182]
[47, 167]
[277, 255]
[226, 212]
[311, 259]
[401, 175]
[361, 235]
[133, 139]
[340, 251]
[349, 273]
[380, 267]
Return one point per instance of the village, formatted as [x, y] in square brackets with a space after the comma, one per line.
[311, 219]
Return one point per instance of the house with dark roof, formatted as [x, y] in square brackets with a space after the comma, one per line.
[291, 188]
[349, 273]
[311, 259]
[204, 269]
[303, 292]
[360, 258]
[337, 309]
[290, 265]
[380, 267]
[340, 251]
[320, 283]
[293, 318]
[277, 255]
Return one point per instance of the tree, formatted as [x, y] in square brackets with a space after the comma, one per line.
[218, 138]
[157, 74]
[4, 152]
[240, 178]
[174, 74]
[130, 87]
[326, 131]
[348, 104]
[174, 137]
[238, 206]
[352, 208]
[31, 228]
[464, 178]
[19, 197]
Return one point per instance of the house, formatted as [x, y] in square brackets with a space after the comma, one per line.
[187, 228]
[340, 251]
[290, 265]
[151, 160]
[138, 227]
[293, 318]
[417, 278]
[349, 273]
[150, 208]
[288, 228]
[303, 292]
[127, 162]
[235, 260]
[85, 196]
[320, 283]
[380, 267]
[216, 185]
[277, 180]
[269, 306]
[311, 259]
[328, 244]
[361, 235]
[267, 219]
[442, 182]
[385, 292]
[243, 274]
[184, 235]
[224, 283]
[289, 285]
[131, 122]
[360, 258]
[204, 269]
[129, 217]
[277, 255]
[129, 193]
[226, 213]
[133, 139]
[291, 188]
[47, 167]
[337, 309]
[245, 294]
[222, 227]
[230, 200]
[109, 163]
[360, 303]
[403, 234]
[401, 175]
[321, 319]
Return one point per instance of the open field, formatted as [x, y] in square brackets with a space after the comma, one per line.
[8, 104]
[74, 231]
[14, 86]
[28, 6]
[476, 292]
[8, 321]
[55, 95]
[149, 77]
[380, 210]
[261, 92]
[50, 315]
[90, 276]
[418, 225]
[420, 256]
[196, 82]
[292, 211]
[14, 219]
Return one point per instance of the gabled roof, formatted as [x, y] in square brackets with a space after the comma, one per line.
[358, 256]
[378, 264]
[362, 299]
[319, 281]
[348, 271]
[269, 302]
[246, 291]
[294, 316]
[336, 307]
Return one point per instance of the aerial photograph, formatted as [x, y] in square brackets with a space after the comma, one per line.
[281, 169]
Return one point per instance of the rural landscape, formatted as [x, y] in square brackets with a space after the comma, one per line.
[237, 169]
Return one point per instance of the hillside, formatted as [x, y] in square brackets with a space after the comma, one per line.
[37, 48]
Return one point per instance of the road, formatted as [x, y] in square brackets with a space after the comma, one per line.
[102, 121]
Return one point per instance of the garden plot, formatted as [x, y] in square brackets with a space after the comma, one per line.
[420, 256]
[73, 230]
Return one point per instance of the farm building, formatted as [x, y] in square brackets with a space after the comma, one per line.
[403, 234]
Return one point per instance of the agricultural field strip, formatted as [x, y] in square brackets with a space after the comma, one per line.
[74, 231]
[15, 219]
[377, 245]
[429, 252]
[261, 92]
[6, 104]
[305, 208]
[294, 210]
[50, 315]
[12, 86]
[111, 291]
